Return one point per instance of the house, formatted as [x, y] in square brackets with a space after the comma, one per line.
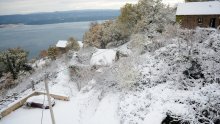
[198, 14]
[62, 46]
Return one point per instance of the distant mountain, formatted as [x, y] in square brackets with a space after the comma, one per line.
[59, 17]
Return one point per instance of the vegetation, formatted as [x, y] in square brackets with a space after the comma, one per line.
[52, 53]
[73, 44]
[14, 60]
[145, 16]
[43, 54]
[197, 0]
[2, 68]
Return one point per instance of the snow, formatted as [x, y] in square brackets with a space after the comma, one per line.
[107, 110]
[199, 8]
[84, 109]
[103, 57]
[80, 44]
[41, 63]
[33, 115]
[62, 43]
[162, 87]
[40, 99]
[154, 118]
[124, 50]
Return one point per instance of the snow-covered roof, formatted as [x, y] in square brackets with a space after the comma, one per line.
[199, 8]
[80, 44]
[62, 43]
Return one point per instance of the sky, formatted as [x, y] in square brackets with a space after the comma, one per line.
[8, 7]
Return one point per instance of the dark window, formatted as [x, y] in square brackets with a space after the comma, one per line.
[212, 22]
[199, 20]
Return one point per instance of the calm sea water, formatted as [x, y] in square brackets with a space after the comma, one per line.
[35, 38]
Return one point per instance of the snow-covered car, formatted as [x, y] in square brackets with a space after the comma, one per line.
[103, 57]
[40, 101]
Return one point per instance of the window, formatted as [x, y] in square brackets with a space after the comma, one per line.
[199, 20]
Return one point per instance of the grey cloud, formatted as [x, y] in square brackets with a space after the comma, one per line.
[30, 6]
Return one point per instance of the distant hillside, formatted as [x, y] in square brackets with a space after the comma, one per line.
[59, 17]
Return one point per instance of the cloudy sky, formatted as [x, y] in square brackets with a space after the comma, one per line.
[8, 7]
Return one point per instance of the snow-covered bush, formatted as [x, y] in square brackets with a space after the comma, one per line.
[171, 31]
[137, 42]
[134, 19]
[81, 75]
[126, 72]
[85, 54]
[15, 60]
[73, 44]
[177, 82]
[154, 16]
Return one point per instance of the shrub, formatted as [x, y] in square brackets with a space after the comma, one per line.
[2, 68]
[73, 44]
[147, 16]
[52, 53]
[14, 60]
[85, 54]
[138, 42]
[126, 72]
[43, 54]
[93, 36]
[81, 75]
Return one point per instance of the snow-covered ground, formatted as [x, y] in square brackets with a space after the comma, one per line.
[83, 109]
[177, 79]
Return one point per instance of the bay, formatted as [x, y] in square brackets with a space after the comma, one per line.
[35, 38]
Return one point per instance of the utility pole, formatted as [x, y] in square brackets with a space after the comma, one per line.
[48, 97]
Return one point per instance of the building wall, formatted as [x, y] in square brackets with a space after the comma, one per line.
[61, 50]
[191, 21]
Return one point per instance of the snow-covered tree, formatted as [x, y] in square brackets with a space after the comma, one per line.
[15, 60]
[73, 44]
[146, 16]
[154, 16]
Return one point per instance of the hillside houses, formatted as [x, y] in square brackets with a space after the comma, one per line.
[62, 46]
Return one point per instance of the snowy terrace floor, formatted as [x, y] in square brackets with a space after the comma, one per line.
[79, 110]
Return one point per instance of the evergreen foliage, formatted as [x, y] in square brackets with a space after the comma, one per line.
[52, 53]
[14, 60]
[73, 44]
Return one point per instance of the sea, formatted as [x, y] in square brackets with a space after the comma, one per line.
[34, 38]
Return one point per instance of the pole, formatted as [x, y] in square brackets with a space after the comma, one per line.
[49, 101]
[32, 85]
